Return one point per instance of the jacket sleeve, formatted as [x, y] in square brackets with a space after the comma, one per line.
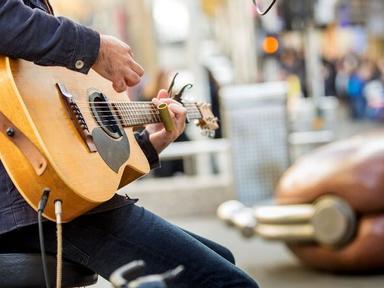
[148, 149]
[34, 35]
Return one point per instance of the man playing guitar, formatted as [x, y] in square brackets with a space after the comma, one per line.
[118, 231]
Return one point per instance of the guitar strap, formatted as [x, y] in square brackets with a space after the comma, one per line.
[30, 151]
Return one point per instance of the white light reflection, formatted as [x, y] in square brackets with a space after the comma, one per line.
[171, 20]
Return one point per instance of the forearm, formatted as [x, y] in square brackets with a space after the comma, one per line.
[34, 35]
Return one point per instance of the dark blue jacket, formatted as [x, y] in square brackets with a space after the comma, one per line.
[28, 31]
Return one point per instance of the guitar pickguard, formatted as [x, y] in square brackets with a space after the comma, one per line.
[114, 152]
[110, 138]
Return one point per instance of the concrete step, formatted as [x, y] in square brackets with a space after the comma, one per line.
[182, 195]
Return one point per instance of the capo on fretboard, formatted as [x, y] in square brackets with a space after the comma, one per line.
[177, 96]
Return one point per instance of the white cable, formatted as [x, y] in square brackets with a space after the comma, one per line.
[59, 257]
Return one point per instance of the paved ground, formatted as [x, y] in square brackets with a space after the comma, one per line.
[270, 263]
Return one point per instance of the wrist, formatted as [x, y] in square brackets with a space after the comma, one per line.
[159, 141]
[100, 51]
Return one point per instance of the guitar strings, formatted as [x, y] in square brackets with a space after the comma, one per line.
[135, 120]
[133, 102]
[122, 113]
[126, 125]
[138, 109]
[132, 121]
[127, 106]
[130, 114]
[130, 109]
[133, 114]
[136, 112]
[139, 103]
[106, 106]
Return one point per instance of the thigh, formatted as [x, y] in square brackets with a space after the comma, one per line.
[219, 249]
[108, 240]
[116, 237]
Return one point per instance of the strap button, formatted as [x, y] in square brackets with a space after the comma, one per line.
[10, 132]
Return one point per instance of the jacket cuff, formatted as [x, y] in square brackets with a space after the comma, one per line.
[148, 149]
[86, 49]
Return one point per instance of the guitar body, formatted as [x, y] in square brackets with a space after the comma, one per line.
[79, 177]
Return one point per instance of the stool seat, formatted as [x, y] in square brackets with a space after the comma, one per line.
[19, 270]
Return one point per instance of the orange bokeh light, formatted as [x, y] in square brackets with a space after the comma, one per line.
[270, 45]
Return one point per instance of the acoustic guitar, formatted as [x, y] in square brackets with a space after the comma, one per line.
[73, 134]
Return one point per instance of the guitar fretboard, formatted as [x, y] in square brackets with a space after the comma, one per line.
[134, 114]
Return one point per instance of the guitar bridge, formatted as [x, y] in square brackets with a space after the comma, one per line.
[76, 117]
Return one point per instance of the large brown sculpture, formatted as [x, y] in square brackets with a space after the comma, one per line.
[354, 170]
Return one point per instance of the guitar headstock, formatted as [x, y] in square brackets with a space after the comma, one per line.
[204, 117]
[208, 122]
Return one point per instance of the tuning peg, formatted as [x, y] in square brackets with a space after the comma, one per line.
[179, 96]
[172, 84]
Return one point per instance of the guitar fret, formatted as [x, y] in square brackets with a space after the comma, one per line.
[143, 113]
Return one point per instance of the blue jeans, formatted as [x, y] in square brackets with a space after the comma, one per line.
[105, 241]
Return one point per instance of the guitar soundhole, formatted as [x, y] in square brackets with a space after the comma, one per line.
[104, 115]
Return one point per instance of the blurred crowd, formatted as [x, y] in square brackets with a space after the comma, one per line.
[356, 80]
[360, 81]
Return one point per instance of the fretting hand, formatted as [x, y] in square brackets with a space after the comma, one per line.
[159, 137]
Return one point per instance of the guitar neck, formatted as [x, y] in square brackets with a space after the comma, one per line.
[133, 114]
